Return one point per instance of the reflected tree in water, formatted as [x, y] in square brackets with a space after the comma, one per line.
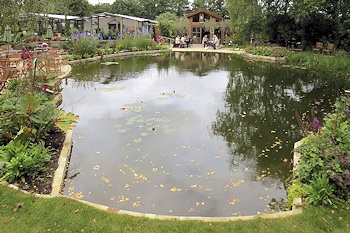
[258, 121]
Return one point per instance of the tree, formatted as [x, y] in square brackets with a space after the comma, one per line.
[336, 10]
[178, 7]
[166, 24]
[244, 14]
[127, 7]
[102, 7]
[79, 8]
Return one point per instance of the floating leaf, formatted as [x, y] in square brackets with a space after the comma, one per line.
[105, 179]
[122, 198]
[138, 140]
[108, 63]
[118, 126]
[137, 203]
[233, 201]
[174, 190]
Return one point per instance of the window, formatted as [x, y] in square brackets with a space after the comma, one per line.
[195, 18]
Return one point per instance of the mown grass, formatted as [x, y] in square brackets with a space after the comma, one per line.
[21, 212]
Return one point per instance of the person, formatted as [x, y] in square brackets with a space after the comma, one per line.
[177, 41]
[183, 41]
[205, 41]
[188, 41]
[215, 42]
[25, 54]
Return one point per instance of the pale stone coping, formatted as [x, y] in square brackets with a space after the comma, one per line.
[63, 161]
[99, 58]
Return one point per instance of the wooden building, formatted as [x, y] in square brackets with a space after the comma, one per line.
[202, 22]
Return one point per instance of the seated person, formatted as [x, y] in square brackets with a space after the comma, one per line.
[183, 42]
[177, 41]
[188, 42]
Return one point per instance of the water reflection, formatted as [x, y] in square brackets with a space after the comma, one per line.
[258, 121]
[198, 134]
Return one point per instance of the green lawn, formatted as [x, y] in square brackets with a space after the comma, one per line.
[21, 212]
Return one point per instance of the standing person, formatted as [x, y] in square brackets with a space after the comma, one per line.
[205, 41]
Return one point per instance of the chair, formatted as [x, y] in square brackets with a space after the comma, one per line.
[319, 47]
[329, 49]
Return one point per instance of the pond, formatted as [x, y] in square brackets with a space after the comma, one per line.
[188, 134]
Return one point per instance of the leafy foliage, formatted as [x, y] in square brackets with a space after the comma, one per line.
[85, 45]
[320, 192]
[336, 66]
[325, 163]
[143, 42]
[23, 160]
[30, 116]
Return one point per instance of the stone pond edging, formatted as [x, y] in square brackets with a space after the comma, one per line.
[63, 162]
[99, 58]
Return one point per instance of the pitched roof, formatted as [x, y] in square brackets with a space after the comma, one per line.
[205, 11]
[107, 14]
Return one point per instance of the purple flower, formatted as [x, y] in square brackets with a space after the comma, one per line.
[315, 125]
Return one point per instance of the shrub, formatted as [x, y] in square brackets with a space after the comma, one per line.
[142, 42]
[125, 44]
[336, 66]
[261, 50]
[320, 192]
[327, 153]
[84, 45]
[22, 161]
[30, 116]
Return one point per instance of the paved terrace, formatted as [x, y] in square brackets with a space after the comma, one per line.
[200, 48]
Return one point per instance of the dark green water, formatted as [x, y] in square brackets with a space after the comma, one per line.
[191, 134]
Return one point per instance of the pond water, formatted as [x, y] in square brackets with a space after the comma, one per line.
[189, 134]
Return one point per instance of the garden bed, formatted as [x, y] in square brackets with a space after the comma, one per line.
[43, 184]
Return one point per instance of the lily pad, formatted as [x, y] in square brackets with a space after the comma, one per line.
[122, 130]
[138, 140]
[131, 121]
[173, 94]
[144, 134]
[118, 126]
[103, 89]
[136, 107]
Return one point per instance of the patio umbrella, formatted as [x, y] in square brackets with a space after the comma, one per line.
[49, 33]
[7, 37]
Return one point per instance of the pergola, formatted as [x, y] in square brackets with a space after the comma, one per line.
[59, 19]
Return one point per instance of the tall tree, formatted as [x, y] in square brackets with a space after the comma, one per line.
[179, 7]
[102, 7]
[127, 7]
[79, 7]
[243, 11]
